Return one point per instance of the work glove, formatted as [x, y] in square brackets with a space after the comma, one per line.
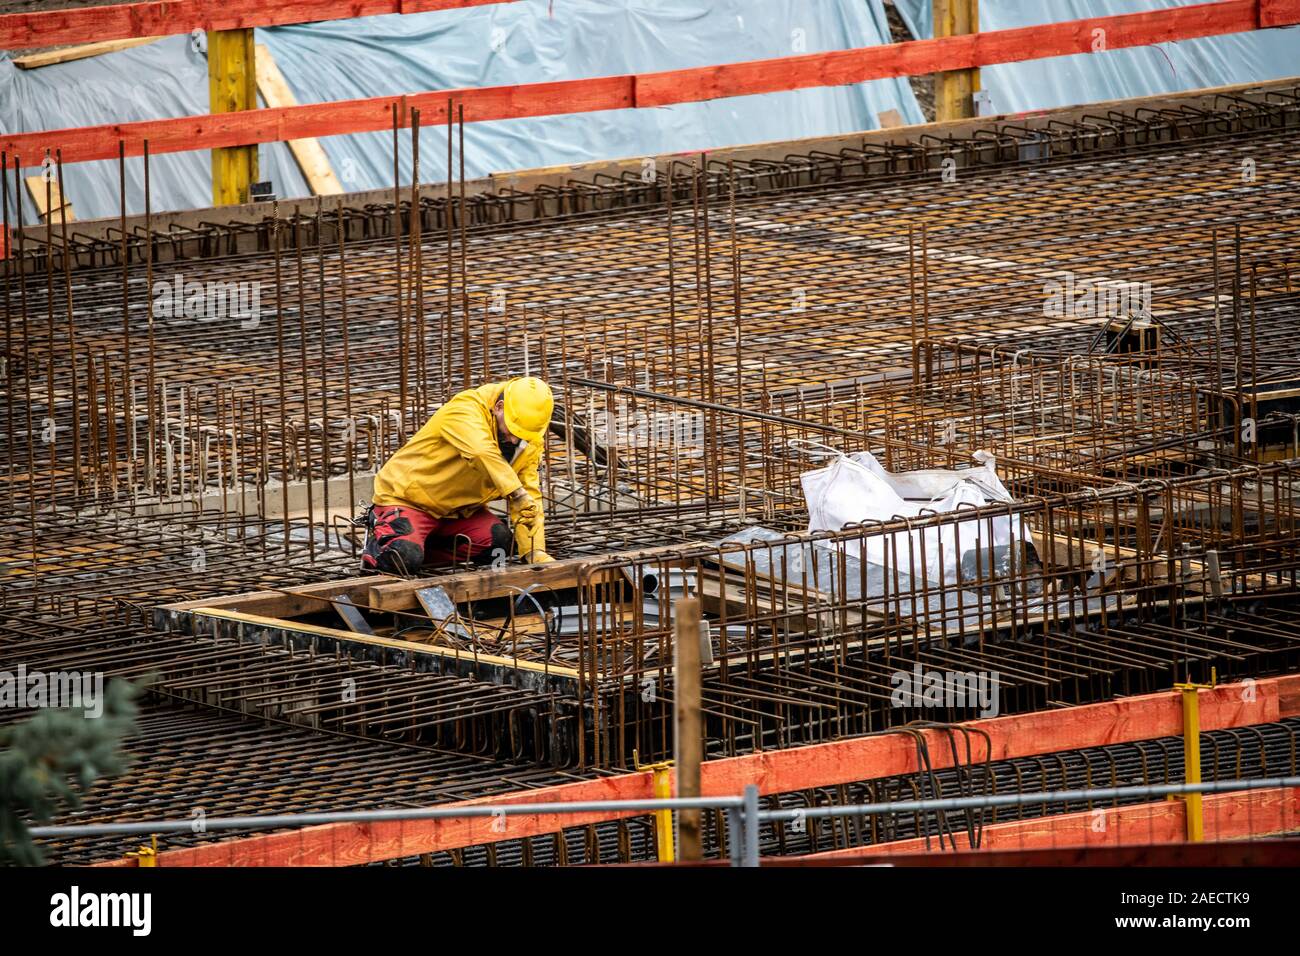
[526, 510]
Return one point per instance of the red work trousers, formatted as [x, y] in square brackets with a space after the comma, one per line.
[403, 540]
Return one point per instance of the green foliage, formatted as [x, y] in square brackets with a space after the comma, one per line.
[48, 760]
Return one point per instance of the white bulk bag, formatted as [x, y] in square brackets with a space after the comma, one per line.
[855, 488]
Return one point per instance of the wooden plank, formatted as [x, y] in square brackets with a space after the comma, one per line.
[165, 17]
[480, 584]
[863, 758]
[36, 189]
[311, 158]
[889, 119]
[1279, 13]
[67, 54]
[288, 602]
[688, 725]
[649, 90]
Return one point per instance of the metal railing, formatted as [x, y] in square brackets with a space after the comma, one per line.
[744, 815]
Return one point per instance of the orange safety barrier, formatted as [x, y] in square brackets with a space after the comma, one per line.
[780, 771]
[1228, 816]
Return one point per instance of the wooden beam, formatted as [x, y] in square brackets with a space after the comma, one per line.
[688, 726]
[1278, 13]
[67, 54]
[862, 758]
[282, 604]
[232, 88]
[480, 585]
[36, 189]
[391, 594]
[954, 90]
[165, 17]
[547, 677]
[311, 158]
[648, 90]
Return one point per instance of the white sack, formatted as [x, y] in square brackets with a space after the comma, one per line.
[855, 488]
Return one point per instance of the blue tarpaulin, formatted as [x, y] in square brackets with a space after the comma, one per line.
[1115, 74]
[522, 42]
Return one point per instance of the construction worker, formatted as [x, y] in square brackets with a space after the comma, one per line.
[431, 497]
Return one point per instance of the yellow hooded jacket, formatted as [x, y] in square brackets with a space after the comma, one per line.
[453, 466]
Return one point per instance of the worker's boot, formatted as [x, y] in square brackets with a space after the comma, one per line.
[395, 539]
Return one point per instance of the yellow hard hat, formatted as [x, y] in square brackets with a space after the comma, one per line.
[528, 405]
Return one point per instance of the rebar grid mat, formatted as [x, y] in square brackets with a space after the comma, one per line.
[1088, 595]
[807, 629]
[1052, 426]
[196, 763]
[86, 568]
[723, 302]
[908, 315]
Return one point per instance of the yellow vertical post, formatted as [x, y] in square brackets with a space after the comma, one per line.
[1192, 758]
[954, 90]
[146, 855]
[232, 86]
[663, 782]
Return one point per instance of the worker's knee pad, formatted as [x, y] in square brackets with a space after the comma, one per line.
[502, 538]
[501, 544]
[400, 557]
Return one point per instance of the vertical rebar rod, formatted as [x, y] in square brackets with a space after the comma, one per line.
[306, 393]
[150, 463]
[351, 429]
[279, 351]
[9, 343]
[50, 419]
[324, 377]
[398, 297]
[417, 270]
[72, 332]
[464, 274]
[127, 365]
[448, 216]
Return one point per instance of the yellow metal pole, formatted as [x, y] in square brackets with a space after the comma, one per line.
[1192, 758]
[146, 855]
[954, 90]
[663, 818]
[232, 86]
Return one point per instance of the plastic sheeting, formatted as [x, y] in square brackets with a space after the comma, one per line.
[166, 78]
[522, 42]
[855, 488]
[1116, 74]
